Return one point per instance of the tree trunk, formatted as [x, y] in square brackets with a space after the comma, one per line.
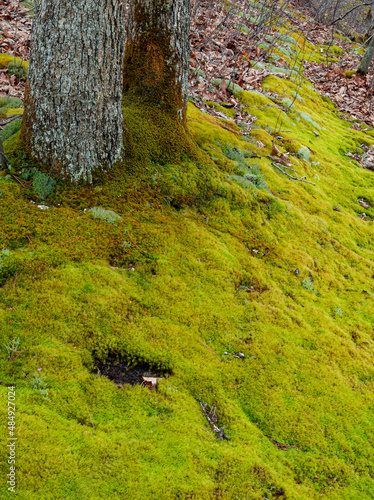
[157, 55]
[366, 59]
[73, 115]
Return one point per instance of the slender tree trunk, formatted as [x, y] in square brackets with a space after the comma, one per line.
[366, 59]
[157, 54]
[73, 115]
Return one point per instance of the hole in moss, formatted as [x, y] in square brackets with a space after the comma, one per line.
[122, 372]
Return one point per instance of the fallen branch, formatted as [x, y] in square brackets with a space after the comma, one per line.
[7, 385]
[301, 179]
[213, 419]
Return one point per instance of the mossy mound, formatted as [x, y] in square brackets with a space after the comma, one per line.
[199, 264]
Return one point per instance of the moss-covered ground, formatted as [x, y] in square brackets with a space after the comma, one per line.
[201, 263]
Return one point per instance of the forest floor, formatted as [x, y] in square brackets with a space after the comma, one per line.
[200, 331]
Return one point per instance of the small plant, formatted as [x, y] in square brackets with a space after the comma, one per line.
[40, 385]
[339, 312]
[308, 285]
[107, 215]
[43, 184]
[12, 347]
[4, 253]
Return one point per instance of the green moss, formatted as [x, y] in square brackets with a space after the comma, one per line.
[10, 129]
[349, 73]
[203, 263]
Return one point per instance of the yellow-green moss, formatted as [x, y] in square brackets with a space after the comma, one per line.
[198, 267]
[7, 58]
[230, 112]
[13, 111]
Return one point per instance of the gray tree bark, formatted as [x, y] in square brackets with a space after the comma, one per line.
[157, 55]
[73, 114]
[366, 59]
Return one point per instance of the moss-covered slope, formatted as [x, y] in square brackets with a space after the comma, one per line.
[200, 263]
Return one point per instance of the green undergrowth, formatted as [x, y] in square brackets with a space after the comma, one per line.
[174, 262]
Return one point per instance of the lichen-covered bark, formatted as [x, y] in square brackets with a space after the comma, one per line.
[73, 115]
[366, 59]
[157, 53]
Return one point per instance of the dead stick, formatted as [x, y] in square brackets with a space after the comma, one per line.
[16, 178]
[214, 352]
[90, 417]
[320, 428]
[19, 354]
[218, 151]
[290, 176]
[132, 241]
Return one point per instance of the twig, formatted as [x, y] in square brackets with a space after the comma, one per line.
[12, 119]
[214, 352]
[349, 11]
[132, 241]
[16, 35]
[281, 446]
[302, 179]
[16, 178]
[211, 435]
[90, 417]
[19, 354]
[319, 427]
[218, 151]
[7, 385]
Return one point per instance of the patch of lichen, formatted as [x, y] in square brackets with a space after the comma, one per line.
[177, 283]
